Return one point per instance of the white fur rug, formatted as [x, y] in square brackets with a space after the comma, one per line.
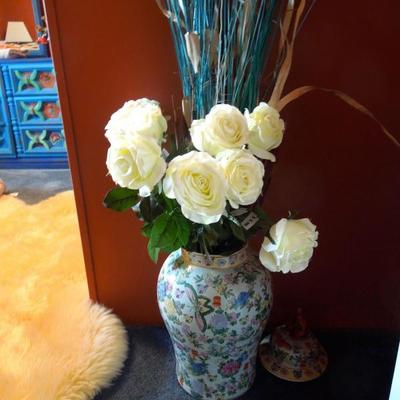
[54, 342]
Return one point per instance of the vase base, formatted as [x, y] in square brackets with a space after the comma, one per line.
[197, 396]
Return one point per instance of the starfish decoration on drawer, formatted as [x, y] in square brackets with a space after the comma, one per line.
[30, 110]
[27, 79]
[37, 138]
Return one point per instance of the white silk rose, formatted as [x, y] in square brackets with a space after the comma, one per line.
[224, 127]
[244, 174]
[136, 164]
[266, 131]
[198, 184]
[294, 244]
[143, 117]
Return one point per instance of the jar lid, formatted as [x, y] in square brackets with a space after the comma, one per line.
[293, 355]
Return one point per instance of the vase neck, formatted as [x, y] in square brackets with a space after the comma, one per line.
[214, 260]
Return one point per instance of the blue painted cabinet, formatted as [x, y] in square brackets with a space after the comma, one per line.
[7, 146]
[31, 131]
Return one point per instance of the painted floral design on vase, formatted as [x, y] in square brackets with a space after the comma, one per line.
[215, 309]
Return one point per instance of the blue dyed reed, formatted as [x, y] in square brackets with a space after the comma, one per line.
[231, 66]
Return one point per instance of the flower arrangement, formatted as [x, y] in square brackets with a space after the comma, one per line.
[204, 193]
[203, 197]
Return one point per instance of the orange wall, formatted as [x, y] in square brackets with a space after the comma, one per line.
[334, 165]
[16, 10]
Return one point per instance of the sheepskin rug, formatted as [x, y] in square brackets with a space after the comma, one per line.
[54, 342]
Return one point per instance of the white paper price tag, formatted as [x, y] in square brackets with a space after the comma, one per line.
[250, 221]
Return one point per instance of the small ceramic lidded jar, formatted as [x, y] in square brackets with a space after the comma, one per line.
[215, 309]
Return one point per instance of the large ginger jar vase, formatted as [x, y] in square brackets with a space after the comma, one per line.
[215, 309]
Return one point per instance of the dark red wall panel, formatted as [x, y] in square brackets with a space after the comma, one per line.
[335, 166]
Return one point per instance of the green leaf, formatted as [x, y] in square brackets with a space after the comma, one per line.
[153, 251]
[175, 245]
[169, 236]
[183, 228]
[171, 204]
[237, 230]
[261, 213]
[159, 228]
[169, 232]
[146, 230]
[121, 199]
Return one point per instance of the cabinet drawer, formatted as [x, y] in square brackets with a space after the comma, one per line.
[41, 140]
[6, 141]
[43, 110]
[3, 104]
[3, 116]
[33, 79]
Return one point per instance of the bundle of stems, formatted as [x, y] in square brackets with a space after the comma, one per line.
[222, 47]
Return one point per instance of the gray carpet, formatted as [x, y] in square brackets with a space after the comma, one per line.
[34, 185]
[361, 368]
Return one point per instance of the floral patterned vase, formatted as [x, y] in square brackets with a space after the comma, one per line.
[215, 309]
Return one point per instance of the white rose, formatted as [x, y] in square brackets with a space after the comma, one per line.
[266, 131]
[143, 117]
[223, 128]
[244, 174]
[293, 248]
[136, 164]
[198, 184]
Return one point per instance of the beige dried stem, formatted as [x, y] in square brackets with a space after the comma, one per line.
[192, 40]
[187, 110]
[286, 44]
[296, 93]
[169, 14]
